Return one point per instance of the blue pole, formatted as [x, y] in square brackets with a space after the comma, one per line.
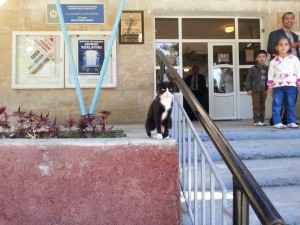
[104, 66]
[73, 67]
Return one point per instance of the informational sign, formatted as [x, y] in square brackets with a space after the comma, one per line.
[77, 13]
[90, 56]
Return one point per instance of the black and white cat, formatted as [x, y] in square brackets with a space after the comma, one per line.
[159, 119]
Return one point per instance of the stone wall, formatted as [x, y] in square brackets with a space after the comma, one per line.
[88, 182]
[135, 72]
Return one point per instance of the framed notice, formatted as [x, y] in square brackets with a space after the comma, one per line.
[249, 55]
[89, 50]
[223, 57]
[131, 28]
[37, 60]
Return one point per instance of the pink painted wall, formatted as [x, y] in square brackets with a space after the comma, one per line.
[105, 183]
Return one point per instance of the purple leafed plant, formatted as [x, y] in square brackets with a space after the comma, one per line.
[30, 125]
[4, 124]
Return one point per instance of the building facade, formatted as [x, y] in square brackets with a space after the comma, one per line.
[189, 32]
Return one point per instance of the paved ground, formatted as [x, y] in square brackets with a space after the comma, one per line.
[138, 130]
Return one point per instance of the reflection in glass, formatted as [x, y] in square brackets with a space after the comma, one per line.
[243, 76]
[249, 29]
[170, 50]
[166, 28]
[223, 80]
[247, 51]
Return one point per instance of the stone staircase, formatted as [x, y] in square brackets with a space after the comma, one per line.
[273, 158]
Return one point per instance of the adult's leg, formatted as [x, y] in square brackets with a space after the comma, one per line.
[204, 102]
[277, 104]
[188, 109]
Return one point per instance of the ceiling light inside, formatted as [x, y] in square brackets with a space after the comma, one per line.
[229, 29]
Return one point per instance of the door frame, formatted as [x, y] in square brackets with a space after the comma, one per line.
[212, 95]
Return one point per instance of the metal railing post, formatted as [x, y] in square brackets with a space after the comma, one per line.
[240, 206]
[162, 71]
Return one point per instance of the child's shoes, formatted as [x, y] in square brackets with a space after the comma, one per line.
[259, 124]
[279, 126]
[292, 125]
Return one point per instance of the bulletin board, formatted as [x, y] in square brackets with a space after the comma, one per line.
[37, 60]
[89, 50]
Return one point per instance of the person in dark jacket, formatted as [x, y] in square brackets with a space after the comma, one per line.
[256, 86]
[197, 83]
[288, 20]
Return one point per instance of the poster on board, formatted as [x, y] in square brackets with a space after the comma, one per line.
[90, 56]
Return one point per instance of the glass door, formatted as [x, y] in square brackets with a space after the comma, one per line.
[222, 91]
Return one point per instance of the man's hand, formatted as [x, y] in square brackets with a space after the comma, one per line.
[269, 91]
[249, 92]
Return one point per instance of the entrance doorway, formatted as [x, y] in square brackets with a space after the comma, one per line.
[223, 56]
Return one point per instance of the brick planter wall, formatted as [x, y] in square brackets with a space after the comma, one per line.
[89, 181]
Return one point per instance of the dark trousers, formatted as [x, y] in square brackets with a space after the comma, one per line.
[203, 100]
[258, 103]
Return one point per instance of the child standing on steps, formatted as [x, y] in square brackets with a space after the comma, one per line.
[284, 82]
[256, 86]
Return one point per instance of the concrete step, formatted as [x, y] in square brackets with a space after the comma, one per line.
[267, 172]
[286, 200]
[273, 158]
[259, 149]
[256, 133]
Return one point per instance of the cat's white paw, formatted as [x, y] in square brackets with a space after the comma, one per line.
[153, 135]
[159, 137]
[168, 137]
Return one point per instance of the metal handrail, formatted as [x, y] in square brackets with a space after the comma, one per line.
[243, 179]
[192, 150]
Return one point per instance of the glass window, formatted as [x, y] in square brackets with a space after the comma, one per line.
[249, 29]
[247, 52]
[166, 28]
[207, 28]
[243, 76]
[170, 50]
